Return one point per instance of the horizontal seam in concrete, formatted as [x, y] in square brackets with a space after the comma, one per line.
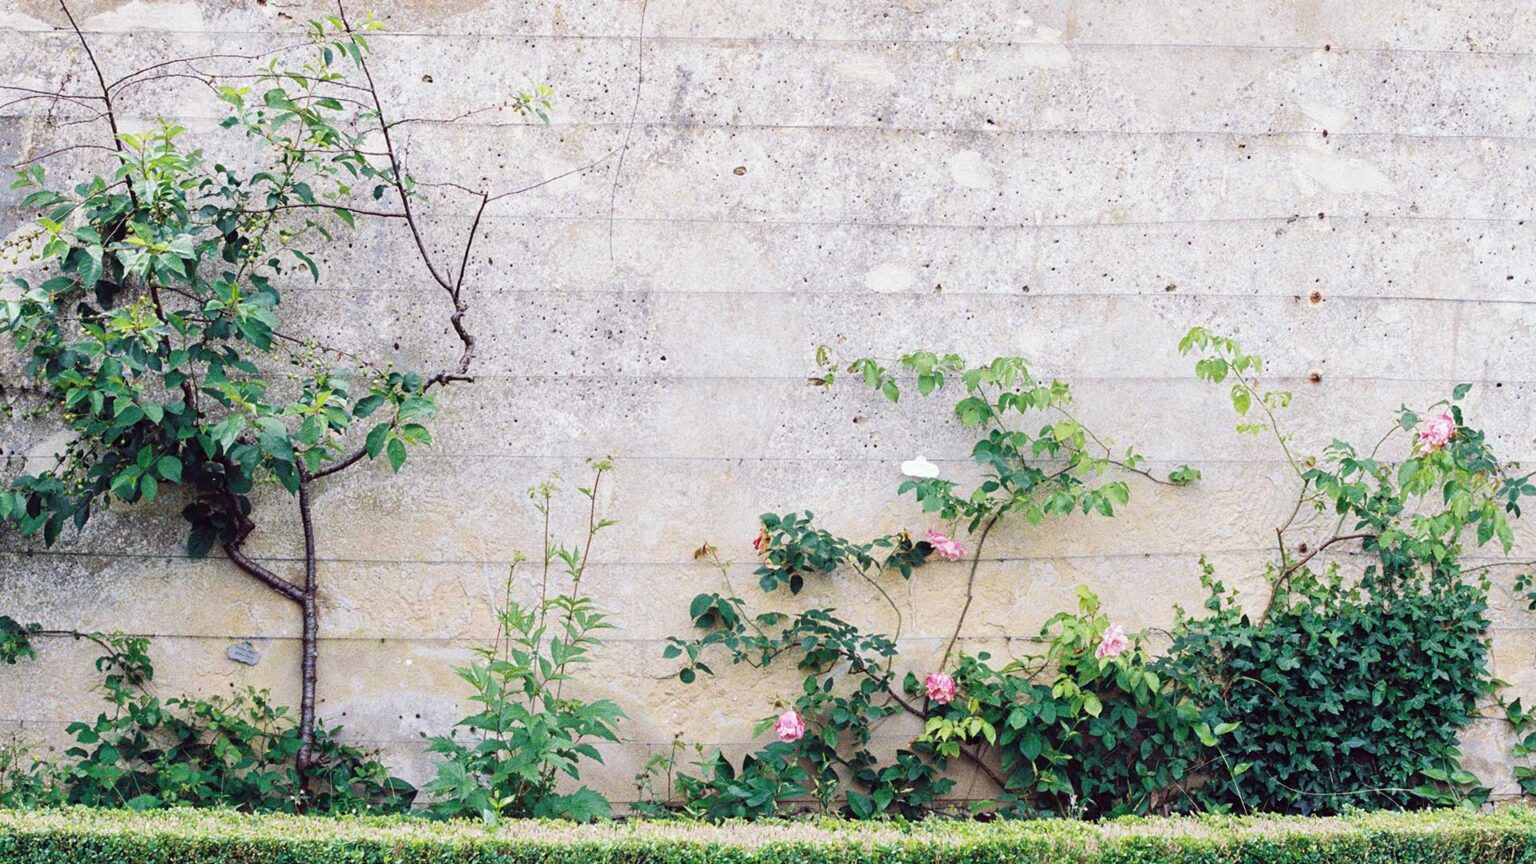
[964, 226]
[1042, 377]
[613, 639]
[1011, 295]
[680, 563]
[1000, 131]
[983, 42]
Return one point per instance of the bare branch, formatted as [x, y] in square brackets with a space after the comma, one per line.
[106, 94]
[547, 180]
[196, 57]
[629, 131]
[396, 173]
[25, 162]
[970, 589]
[51, 94]
[341, 464]
[1321, 546]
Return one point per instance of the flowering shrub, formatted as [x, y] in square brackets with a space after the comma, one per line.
[1087, 727]
[1339, 693]
[822, 749]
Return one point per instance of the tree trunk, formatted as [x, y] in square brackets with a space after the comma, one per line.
[311, 636]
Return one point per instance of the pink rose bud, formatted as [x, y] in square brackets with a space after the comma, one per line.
[1436, 432]
[949, 550]
[789, 727]
[1113, 643]
[941, 688]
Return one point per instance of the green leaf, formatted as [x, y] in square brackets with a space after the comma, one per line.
[367, 405]
[378, 436]
[396, 453]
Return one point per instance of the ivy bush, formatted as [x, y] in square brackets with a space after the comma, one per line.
[1353, 692]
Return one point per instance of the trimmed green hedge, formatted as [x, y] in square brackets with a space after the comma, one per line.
[114, 837]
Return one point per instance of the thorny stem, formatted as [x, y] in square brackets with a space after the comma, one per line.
[1285, 575]
[969, 755]
[970, 589]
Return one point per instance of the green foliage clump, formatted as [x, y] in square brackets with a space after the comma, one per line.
[848, 687]
[1082, 734]
[1350, 695]
[527, 735]
[154, 339]
[850, 684]
[233, 752]
[1353, 692]
[16, 640]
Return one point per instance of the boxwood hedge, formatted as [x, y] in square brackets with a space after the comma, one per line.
[115, 837]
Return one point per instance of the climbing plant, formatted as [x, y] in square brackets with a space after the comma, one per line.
[1353, 684]
[850, 686]
[153, 326]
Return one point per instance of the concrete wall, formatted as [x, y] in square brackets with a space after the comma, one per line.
[1345, 186]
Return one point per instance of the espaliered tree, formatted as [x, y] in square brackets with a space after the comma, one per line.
[152, 327]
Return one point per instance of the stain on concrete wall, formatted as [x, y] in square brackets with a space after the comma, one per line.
[1345, 187]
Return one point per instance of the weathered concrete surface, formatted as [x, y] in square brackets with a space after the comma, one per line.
[1345, 186]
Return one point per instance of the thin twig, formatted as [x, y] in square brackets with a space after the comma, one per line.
[25, 162]
[970, 589]
[629, 130]
[1285, 575]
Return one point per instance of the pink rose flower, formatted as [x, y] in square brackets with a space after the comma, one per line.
[789, 727]
[949, 550]
[760, 542]
[1113, 643]
[1436, 432]
[941, 688]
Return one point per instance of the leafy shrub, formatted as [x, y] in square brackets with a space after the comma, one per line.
[1086, 728]
[1352, 692]
[235, 752]
[527, 735]
[1348, 695]
[848, 687]
[823, 751]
